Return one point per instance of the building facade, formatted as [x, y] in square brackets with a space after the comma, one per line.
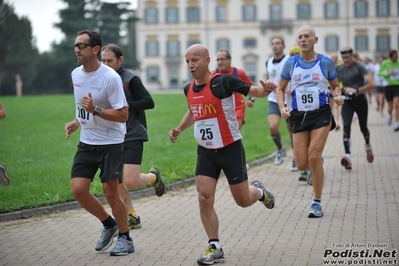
[246, 27]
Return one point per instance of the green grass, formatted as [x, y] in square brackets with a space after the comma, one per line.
[39, 159]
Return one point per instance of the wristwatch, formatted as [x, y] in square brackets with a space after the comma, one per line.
[98, 110]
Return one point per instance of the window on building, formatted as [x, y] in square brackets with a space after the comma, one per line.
[172, 48]
[332, 43]
[303, 11]
[189, 76]
[191, 42]
[153, 74]
[151, 48]
[249, 43]
[383, 43]
[361, 9]
[331, 10]
[173, 76]
[223, 44]
[221, 12]
[193, 14]
[382, 8]
[249, 13]
[361, 43]
[275, 14]
[172, 15]
[250, 70]
[151, 15]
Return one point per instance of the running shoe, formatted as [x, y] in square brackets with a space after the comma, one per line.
[369, 153]
[268, 201]
[283, 152]
[158, 185]
[396, 129]
[303, 176]
[346, 162]
[279, 158]
[293, 166]
[106, 237]
[390, 120]
[309, 177]
[123, 246]
[4, 179]
[212, 255]
[134, 223]
[315, 211]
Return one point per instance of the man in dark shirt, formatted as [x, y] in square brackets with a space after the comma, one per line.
[356, 81]
[139, 99]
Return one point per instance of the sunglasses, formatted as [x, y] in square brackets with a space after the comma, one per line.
[82, 45]
[346, 52]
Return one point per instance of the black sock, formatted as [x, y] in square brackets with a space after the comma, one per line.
[109, 222]
[125, 234]
[347, 146]
[277, 140]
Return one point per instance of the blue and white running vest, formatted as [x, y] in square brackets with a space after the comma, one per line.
[309, 86]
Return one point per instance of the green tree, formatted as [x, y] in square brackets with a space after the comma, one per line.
[18, 54]
[56, 66]
[128, 44]
[115, 22]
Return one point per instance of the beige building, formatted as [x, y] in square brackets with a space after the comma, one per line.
[246, 27]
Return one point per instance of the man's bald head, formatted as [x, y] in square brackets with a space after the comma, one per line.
[308, 29]
[199, 50]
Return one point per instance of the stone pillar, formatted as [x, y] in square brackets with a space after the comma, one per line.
[18, 85]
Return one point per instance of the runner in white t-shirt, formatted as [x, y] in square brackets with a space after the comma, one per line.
[273, 65]
[101, 112]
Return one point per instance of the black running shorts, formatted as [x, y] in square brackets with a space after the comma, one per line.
[133, 152]
[391, 92]
[230, 159]
[89, 158]
[307, 121]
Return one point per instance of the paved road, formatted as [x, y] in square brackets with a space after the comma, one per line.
[361, 215]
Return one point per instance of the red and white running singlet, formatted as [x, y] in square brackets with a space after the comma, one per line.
[215, 123]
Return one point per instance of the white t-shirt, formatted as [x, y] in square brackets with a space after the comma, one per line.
[107, 92]
[272, 70]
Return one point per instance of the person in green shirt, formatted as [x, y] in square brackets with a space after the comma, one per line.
[390, 71]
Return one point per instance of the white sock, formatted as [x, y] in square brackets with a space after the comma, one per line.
[217, 244]
[348, 155]
[261, 193]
